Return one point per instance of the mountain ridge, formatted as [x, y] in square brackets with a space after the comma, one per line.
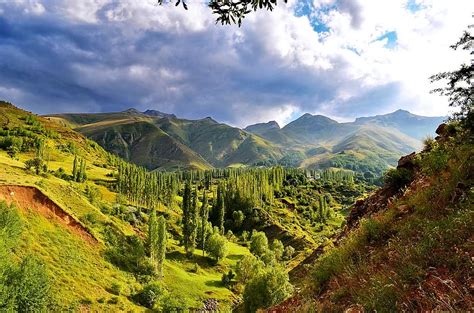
[310, 141]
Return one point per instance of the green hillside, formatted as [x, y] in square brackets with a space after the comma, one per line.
[409, 245]
[84, 218]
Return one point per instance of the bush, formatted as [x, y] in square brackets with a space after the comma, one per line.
[150, 295]
[268, 288]
[227, 278]
[217, 246]
[258, 243]
[398, 178]
[31, 286]
[247, 268]
[116, 289]
[434, 162]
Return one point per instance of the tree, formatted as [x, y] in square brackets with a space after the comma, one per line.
[220, 208]
[217, 246]
[231, 12]
[161, 244]
[248, 267]
[459, 87]
[288, 253]
[238, 218]
[152, 240]
[204, 216]
[74, 168]
[267, 288]
[258, 243]
[189, 226]
[35, 163]
[278, 248]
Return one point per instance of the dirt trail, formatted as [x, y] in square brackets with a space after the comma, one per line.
[28, 197]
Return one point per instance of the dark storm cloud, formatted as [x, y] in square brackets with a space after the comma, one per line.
[102, 55]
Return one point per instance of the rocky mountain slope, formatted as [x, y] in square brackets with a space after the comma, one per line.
[408, 246]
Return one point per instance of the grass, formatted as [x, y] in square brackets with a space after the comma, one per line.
[415, 254]
[180, 277]
[77, 268]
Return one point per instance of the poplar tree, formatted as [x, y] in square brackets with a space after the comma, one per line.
[204, 215]
[152, 240]
[187, 228]
[220, 208]
[161, 244]
[74, 168]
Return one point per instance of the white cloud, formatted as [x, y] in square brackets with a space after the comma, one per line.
[135, 53]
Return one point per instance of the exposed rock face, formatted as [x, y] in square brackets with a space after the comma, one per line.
[407, 161]
[376, 202]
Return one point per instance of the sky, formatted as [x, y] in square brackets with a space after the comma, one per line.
[339, 58]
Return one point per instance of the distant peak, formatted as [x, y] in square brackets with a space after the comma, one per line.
[262, 127]
[159, 114]
[401, 111]
[132, 110]
[273, 124]
[209, 119]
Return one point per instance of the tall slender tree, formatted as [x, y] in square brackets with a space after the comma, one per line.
[187, 217]
[220, 208]
[161, 244]
[204, 216]
[152, 240]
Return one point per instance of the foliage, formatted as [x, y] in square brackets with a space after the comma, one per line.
[31, 286]
[267, 288]
[217, 246]
[258, 243]
[127, 252]
[247, 268]
[459, 88]
[227, 278]
[150, 295]
[278, 248]
[399, 177]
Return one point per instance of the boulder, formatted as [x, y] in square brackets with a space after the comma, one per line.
[407, 161]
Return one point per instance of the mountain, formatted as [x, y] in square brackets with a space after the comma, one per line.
[158, 114]
[261, 128]
[410, 124]
[158, 140]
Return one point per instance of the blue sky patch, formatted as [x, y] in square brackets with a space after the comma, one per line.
[391, 39]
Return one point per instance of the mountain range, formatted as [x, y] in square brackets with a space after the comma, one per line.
[158, 140]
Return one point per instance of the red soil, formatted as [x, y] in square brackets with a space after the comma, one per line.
[27, 197]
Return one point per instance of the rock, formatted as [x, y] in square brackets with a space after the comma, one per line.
[405, 209]
[407, 161]
[441, 130]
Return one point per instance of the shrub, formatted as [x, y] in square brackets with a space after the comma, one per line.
[31, 286]
[268, 288]
[398, 178]
[247, 268]
[288, 253]
[227, 278]
[116, 289]
[258, 243]
[217, 246]
[434, 162]
[150, 295]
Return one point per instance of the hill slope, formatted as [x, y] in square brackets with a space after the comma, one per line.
[408, 246]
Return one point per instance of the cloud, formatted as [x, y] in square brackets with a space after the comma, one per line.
[105, 55]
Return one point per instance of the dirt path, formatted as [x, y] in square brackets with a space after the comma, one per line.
[28, 197]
